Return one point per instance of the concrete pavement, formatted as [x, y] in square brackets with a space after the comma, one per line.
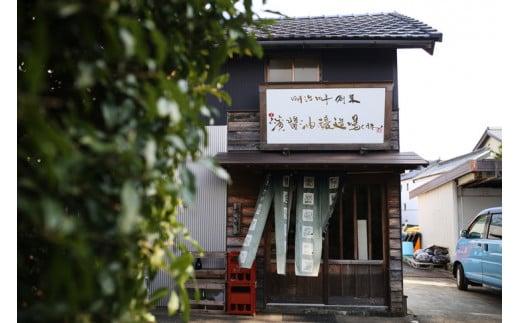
[432, 297]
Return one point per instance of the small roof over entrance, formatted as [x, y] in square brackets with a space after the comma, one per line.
[405, 160]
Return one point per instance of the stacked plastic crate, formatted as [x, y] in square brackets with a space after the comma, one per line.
[241, 287]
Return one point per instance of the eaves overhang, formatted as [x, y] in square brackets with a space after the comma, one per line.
[490, 168]
[322, 160]
[427, 44]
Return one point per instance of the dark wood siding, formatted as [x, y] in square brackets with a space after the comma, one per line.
[245, 74]
[337, 65]
[244, 190]
[393, 205]
[349, 282]
[361, 65]
[243, 120]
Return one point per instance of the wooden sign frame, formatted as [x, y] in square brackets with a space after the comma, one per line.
[386, 145]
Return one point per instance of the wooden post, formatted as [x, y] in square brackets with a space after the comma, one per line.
[325, 270]
[340, 214]
[386, 271]
[384, 220]
[369, 236]
[369, 216]
[354, 216]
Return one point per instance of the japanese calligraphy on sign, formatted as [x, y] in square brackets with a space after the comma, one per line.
[325, 116]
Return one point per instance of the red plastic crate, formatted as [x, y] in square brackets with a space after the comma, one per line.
[235, 274]
[240, 299]
[241, 309]
[243, 277]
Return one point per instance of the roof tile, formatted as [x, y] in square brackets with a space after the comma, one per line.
[366, 26]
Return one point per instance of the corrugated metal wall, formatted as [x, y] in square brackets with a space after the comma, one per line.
[206, 217]
[474, 200]
[438, 217]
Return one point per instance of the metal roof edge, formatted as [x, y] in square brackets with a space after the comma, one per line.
[441, 180]
[447, 161]
[467, 167]
[481, 140]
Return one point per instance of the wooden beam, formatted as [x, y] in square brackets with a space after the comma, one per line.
[207, 284]
[313, 158]
[384, 220]
[465, 179]
[325, 269]
[466, 168]
[210, 273]
[207, 302]
[369, 216]
[354, 217]
[341, 215]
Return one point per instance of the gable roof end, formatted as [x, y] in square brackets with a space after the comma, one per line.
[493, 132]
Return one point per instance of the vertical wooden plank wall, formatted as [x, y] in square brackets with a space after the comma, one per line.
[244, 190]
[394, 243]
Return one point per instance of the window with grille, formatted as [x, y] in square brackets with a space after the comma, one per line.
[304, 69]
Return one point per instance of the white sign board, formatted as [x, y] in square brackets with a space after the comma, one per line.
[325, 116]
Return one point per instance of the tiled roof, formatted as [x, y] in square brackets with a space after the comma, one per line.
[442, 167]
[490, 173]
[382, 26]
[494, 132]
[412, 173]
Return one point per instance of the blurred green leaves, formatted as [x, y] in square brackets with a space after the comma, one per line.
[129, 218]
[110, 99]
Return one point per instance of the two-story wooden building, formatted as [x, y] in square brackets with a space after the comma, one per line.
[314, 131]
[313, 153]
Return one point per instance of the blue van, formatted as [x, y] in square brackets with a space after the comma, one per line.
[478, 258]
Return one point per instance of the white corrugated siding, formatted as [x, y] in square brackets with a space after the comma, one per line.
[474, 200]
[206, 217]
[443, 212]
[438, 217]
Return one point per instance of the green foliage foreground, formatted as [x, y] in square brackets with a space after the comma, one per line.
[110, 98]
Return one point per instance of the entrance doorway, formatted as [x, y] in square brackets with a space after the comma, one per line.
[353, 268]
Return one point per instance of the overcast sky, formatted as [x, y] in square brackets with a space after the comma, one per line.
[446, 100]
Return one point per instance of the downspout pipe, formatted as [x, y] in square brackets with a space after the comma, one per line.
[460, 208]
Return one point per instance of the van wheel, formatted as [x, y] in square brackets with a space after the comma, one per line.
[462, 282]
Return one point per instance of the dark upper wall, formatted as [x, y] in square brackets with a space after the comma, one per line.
[337, 65]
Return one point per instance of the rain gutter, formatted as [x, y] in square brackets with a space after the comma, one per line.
[427, 45]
